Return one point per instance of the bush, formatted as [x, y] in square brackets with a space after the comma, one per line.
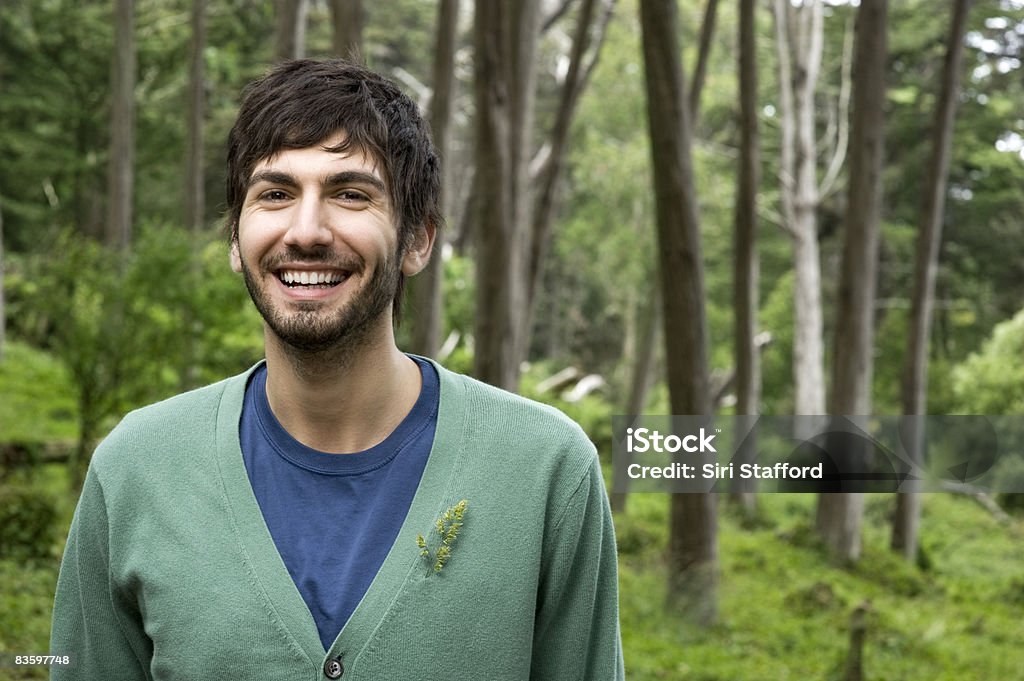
[992, 381]
[27, 524]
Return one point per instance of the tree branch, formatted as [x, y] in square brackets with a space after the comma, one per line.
[553, 18]
[843, 122]
[707, 32]
[548, 167]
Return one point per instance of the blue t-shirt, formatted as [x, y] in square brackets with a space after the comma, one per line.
[334, 517]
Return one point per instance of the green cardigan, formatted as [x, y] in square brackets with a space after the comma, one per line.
[170, 572]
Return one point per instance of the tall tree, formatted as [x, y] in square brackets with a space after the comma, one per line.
[348, 18]
[426, 287]
[839, 515]
[799, 38]
[195, 187]
[700, 69]
[582, 61]
[3, 312]
[509, 257]
[693, 539]
[648, 309]
[914, 395]
[122, 127]
[505, 38]
[746, 263]
[195, 184]
[290, 29]
[642, 368]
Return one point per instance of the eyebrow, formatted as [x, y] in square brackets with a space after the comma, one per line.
[272, 177]
[344, 177]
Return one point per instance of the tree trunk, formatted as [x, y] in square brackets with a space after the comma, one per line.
[122, 128]
[426, 286]
[915, 367]
[746, 264]
[645, 351]
[839, 515]
[550, 175]
[3, 312]
[858, 635]
[707, 32]
[290, 29]
[195, 187]
[693, 559]
[506, 45]
[349, 18]
[799, 32]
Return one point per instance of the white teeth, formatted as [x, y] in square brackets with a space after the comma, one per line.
[310, 278]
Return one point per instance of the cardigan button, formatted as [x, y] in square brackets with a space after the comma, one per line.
[333, 669]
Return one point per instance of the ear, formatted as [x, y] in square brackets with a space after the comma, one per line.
[236, 258]
[418, 254]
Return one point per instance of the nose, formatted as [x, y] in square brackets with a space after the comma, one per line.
[309, 226]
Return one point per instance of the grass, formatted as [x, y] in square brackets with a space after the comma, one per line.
[36, 398]
[785, 609]
[36, 406]
[26, 597]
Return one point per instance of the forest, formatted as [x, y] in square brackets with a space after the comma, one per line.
[690, 207]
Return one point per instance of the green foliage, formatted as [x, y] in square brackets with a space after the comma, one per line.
[459, 294]
[36, 402]
[54, 65]
[1009, 471]
[447, 528]
[28, 580]
[54, 114]
[777, 359]
[601, 254]
[27, 524]
[88, 327]
[977, 286]
[991, 381]
[641, 534]
[26, 606]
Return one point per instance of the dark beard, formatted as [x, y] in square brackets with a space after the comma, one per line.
[309, 330]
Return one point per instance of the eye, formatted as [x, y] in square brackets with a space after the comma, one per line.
[352, 196]
[274, 196]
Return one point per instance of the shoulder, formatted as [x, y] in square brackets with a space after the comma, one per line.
[514, 444]
[148, 436]
[498, 412]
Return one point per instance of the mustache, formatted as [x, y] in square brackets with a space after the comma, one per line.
[293, 255]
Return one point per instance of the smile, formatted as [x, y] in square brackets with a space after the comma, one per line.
[311, 279]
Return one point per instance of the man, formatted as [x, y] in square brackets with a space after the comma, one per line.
[341, 510]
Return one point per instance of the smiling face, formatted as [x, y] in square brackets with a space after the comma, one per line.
[318, 247]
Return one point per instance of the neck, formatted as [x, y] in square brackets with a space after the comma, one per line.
[341, 399]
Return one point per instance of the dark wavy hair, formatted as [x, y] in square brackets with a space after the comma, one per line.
[303, 102]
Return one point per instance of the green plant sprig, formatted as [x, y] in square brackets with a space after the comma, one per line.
[447, 528]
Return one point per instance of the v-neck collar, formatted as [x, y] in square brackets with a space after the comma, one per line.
[266, 570]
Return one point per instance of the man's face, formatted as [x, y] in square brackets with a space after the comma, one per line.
[318, 247]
